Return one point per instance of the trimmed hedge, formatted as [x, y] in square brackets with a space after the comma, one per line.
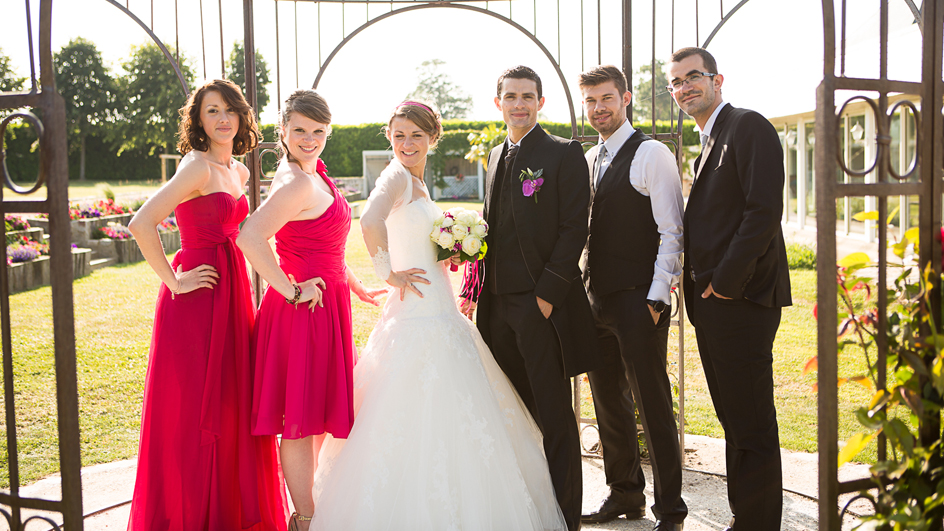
[342, 154]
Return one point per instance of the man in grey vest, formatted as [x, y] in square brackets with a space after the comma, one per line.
[632, 259]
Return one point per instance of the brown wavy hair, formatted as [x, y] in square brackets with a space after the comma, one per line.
[309, 104]
[191, 136]
[422, 114]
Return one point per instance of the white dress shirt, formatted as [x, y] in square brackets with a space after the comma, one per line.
[654, 174]
[706, 134]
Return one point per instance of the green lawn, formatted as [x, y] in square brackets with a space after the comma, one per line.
[114, 308]
[90, 190]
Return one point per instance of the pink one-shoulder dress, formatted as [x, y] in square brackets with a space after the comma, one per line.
[305, 359]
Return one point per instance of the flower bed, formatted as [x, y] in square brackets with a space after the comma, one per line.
[88, 218]
[23, 276]
[115, 241]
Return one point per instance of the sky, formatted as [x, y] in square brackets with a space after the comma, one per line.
[770, 51]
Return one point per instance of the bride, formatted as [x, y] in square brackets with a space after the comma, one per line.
[441, 440]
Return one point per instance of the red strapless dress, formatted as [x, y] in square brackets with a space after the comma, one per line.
[304, 359]
[199, 468]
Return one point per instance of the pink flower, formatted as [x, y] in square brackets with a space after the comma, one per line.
[530, 187]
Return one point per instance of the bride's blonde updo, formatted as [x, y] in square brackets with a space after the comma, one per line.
[309, 104]
[421, 114]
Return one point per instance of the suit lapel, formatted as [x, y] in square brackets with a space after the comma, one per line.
[494, 161]
[715, 132]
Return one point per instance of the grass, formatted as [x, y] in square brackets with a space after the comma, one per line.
[88, 190]
[114, 309]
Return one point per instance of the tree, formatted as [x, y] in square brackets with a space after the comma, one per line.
[9, 81]
[89, 91]
[435, 86]
[642, 96]
[236, 72]
[151, 96]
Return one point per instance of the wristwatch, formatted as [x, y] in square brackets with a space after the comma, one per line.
[658, 306]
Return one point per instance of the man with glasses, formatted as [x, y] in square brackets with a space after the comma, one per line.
[632, 260]
[736, 280]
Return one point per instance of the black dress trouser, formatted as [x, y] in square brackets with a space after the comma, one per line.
[634, 351]
[735, 341]
[527, 349]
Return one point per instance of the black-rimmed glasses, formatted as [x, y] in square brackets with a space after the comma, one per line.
[691, 80]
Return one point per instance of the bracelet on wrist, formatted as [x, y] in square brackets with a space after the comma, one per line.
[298, 295]
[175, 292]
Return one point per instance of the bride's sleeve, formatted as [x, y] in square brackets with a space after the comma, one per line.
[388, 195]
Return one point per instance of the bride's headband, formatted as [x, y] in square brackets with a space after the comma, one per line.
[416, 104]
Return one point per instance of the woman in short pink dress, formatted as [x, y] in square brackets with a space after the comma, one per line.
[303, 342]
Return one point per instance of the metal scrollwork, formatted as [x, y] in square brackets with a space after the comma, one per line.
[845, 508]
[883, 140]
[597, 448]
[38, 125]
[878, 121]
[917, 118]
[39, 518]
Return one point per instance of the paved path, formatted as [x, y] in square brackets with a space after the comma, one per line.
[705, 493]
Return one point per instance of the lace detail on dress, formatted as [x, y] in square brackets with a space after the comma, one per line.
[381, 262]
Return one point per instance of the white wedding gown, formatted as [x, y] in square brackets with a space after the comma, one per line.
[441, 440]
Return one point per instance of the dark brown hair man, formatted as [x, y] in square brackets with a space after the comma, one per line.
[736, 280]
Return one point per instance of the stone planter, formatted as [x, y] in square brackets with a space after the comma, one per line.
[127, 251]
[28, 275]
[32, 233]
[82, 228]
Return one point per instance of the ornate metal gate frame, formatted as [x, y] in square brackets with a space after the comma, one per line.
[927, 185]
[53, 173]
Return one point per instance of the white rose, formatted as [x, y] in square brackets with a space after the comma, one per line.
[447, 222]
[459, 232]
[455, 211]
[467, 218]
[435, 234]
[471, 245]
[446, 241]
[479, 230]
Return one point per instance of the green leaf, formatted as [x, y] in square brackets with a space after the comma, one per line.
[855, 259]
[853, 446]
[862, 216]
[912, 234]
[444, 254]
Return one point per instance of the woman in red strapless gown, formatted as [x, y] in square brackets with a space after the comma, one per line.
[199, 467]
[303, 340]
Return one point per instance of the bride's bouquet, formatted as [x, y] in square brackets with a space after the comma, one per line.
[462, 231]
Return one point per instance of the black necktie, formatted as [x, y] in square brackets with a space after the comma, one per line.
[510, 159]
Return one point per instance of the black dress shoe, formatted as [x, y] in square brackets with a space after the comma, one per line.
[611, 509]
[662, 525]
[730, 526]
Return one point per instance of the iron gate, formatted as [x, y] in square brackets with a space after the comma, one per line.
[924, 181]
[53, 173]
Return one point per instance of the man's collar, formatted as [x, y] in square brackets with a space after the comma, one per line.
[711, 120]
[618, 138]
[518, 143]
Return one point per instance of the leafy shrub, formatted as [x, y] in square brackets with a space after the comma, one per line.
[801, 256]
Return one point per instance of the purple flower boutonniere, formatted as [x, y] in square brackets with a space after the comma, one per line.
[531, 182]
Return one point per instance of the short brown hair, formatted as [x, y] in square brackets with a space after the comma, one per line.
[309, 104]
[190, 134]
[599, 75]
[423, 115]
[520, 72]
[711, 66]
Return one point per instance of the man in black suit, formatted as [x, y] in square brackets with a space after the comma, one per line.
[533, 311]
[736, 280]
[632, 260]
